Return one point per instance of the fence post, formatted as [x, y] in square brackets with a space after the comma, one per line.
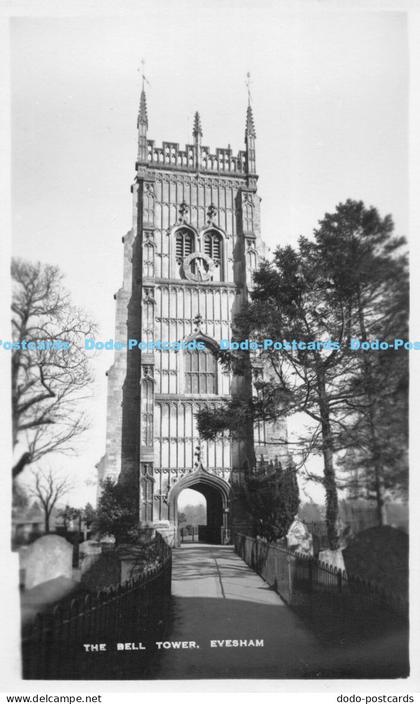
[340, 581]
[51, 646]
[289, 576]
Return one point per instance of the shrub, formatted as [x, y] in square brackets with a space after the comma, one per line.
[116, 513]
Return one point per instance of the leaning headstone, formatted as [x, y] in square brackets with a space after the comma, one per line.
[334, 558]
[299, 539]
[47, 558]
[168, 532]
[344, 533]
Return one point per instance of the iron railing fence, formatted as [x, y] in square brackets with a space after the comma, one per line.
[294, 576]
[53, 647]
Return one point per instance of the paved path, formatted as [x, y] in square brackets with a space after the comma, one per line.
[217, 597]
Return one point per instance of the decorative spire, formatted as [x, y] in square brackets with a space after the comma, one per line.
[197, 454]
[197, 129]
[248, 86]
[250, 136]
[250, 127]
[142, 119]
[198, 464]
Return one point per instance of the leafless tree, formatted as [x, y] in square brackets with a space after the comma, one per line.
[47, 384]
[48, 489]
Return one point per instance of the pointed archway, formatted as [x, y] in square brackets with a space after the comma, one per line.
[216, 492]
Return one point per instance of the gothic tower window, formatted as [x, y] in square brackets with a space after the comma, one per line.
[200, 372]
[248, 216]
[184, 244]
[213, 247]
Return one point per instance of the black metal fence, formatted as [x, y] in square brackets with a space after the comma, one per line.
[189, 535]
[294, 576]
[58, 645]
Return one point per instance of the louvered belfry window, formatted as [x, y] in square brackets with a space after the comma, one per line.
[213, 247]
[200, 372]
[184, 244]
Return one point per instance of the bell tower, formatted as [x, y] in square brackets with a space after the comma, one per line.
[188, 262]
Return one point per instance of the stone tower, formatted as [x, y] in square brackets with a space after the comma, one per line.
[188, 263]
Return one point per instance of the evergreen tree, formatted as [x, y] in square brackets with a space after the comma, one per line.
[348, 282]
[115, 514]
[363, 259]
[272, 501]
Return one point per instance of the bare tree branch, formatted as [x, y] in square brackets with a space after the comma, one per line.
[47, 384]
[48, 488]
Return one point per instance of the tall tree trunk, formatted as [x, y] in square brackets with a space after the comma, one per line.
[380, 498]
[374, 444]
[330, 484]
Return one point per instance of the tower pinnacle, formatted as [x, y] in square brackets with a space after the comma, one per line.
[250, 127]
[197, 129]
[142, 126]
[142, 118]
[197, 134]
[249, 132]
[248, 86]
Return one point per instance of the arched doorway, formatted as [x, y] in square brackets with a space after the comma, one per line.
[216, 493]
[192, 514]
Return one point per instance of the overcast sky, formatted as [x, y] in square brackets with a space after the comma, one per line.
[329, 93]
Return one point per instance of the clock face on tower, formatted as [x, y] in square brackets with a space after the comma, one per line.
[198, 267]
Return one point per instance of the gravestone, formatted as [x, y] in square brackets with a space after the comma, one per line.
[47, 558]
[299, 539]
[107, 542]
[89, 552]
[167, 532]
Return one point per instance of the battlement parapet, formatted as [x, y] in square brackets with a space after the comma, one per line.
[169, 155]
